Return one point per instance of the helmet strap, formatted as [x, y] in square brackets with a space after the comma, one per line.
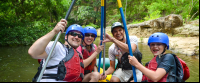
[163, 51]
[122, 39]
[86, 44]
[68, 41]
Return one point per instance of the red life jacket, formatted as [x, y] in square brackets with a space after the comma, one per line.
[87, 54]
[181, 69]
[74, 67]
[153, 66]
[70, 68]
[39, 60]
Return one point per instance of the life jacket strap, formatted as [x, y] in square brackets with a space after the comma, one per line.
[86, 71]
[50, 76]
[82, 65]
[81, 75]
[51, 67]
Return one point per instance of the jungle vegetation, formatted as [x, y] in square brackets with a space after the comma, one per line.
[24, 21]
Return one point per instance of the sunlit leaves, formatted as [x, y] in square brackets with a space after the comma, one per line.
[22, 19]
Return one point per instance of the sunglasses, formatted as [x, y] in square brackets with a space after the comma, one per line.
[88, 35]
[75, 34]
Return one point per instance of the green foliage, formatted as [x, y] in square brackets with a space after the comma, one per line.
[136, 21]
[153, 15]
[24, 21]
[23, 35]
[196, 18]
[92, 25]
[87, 11]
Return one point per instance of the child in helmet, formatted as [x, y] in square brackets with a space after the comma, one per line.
[166, 70]
[66, 64]
[87, 48]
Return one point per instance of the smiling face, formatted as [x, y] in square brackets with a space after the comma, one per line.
[157, 48]
[74, 41]
[118, 33]
[89, 38]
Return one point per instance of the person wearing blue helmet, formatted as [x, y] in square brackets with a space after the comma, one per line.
[66, 64]
[87, 48]
[162, 68]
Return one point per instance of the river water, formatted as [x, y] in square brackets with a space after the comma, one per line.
[17, 66]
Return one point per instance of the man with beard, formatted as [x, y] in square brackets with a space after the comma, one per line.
[120, 50]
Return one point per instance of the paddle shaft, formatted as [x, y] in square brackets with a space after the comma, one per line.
[104, 51]
[54, 44]
[127, 37]
[101, 37]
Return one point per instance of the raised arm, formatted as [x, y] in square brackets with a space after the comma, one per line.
[37, 50]
[87, 61]
[120, 44]
[153, 75]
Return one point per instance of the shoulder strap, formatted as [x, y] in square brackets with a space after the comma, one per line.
[178, 67]
[69, 55]
[82, 47]
[65, 58]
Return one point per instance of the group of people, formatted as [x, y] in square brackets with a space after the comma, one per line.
[75, 60]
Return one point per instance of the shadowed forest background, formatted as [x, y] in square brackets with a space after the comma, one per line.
[24, 21]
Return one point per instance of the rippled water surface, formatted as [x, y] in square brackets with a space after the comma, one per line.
[17, 66]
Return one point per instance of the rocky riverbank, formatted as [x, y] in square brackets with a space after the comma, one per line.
[184, 45]
[184, 38]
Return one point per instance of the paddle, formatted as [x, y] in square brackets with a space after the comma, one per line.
[54, 44]
[104, 37]
[101, 37]
[127, 37]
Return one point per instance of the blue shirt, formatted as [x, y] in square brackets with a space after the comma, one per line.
[168, 63]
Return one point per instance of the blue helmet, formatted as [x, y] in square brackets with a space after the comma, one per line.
[75, 27]
[159, 37]
[92, 30]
